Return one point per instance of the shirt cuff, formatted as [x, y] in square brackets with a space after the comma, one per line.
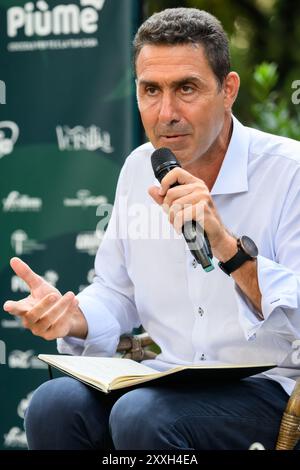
[278, 287]
[103, 332]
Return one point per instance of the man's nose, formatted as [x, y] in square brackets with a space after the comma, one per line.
[168, 109]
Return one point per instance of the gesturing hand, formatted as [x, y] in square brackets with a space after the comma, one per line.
[45, 311]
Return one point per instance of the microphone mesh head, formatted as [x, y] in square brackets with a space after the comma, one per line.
[161, 156]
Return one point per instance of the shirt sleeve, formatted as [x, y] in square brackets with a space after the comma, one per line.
[108, 303]
[278, 279]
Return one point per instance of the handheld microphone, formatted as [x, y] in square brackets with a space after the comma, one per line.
[163, 160]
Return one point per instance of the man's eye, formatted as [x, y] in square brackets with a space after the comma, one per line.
[151, 91]
[187, 89]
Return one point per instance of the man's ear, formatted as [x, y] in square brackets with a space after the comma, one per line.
[231, 87]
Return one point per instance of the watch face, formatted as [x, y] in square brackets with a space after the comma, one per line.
[249, 246]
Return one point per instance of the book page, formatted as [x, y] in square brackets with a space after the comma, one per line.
[108, 373]
[100, 369]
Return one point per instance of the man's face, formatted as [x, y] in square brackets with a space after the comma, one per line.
[180, 103]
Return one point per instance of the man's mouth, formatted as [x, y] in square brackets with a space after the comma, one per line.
[173, 136]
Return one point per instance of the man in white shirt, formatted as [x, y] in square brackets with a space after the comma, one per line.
[243, 186]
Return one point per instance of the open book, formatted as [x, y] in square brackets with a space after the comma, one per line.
[111, 373]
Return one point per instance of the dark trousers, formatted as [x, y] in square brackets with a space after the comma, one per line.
[66, 414]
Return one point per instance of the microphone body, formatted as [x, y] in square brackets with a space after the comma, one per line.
[163, 160]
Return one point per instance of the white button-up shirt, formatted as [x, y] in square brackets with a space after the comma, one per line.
[146, 275]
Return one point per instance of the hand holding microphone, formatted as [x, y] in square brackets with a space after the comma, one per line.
[163, 161]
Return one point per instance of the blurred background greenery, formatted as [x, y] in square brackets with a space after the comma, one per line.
[265, 50]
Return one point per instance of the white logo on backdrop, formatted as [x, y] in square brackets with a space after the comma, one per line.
[15, 437]
[23, 405]
[88, 242]
[9, 133]
[52, 277]
[24, 360]
[2, 352]
[83, 138]
[38, 20]
[21, 244]
[15, 322]
[16, 202]
[2, 92]
[84, 199]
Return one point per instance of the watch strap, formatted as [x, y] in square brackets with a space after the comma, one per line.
[236, 261]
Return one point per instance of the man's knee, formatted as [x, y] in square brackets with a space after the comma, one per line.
[54, 406]
[56, 397]
[140, 420]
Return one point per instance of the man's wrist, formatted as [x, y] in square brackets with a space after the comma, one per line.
[79, 328]
[226, 248]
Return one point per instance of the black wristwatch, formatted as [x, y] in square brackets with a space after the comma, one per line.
[247, 250]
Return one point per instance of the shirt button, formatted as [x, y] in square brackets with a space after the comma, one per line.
[201, 311]
[194, 263]
[202, 357]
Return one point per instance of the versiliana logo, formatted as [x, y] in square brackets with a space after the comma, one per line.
[83, 138]
[38, 20]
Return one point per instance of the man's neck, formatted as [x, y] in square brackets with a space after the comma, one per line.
[208, 166]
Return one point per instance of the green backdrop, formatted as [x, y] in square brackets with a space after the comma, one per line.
[69, 121]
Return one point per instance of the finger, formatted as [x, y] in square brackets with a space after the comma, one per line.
[180, 218]
[196, 196]
[61, 326]
[189, 213]
[22, 270]
[173, 211]
[177, 175]
[174, 194]
[154, 193]
[19, 307]
[184, 203]
[39, 309]
[8, 305]
[15, 307]
[62, 323]
[49, 318]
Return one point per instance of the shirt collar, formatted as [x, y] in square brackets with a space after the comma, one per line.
[233, 174]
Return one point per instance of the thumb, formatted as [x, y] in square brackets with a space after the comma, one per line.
[22, 270]
[154, 193]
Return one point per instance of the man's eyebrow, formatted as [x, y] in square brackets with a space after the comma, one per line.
[147, 83]
[175, 83]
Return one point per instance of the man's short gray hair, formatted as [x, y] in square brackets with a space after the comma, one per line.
[187, 26]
